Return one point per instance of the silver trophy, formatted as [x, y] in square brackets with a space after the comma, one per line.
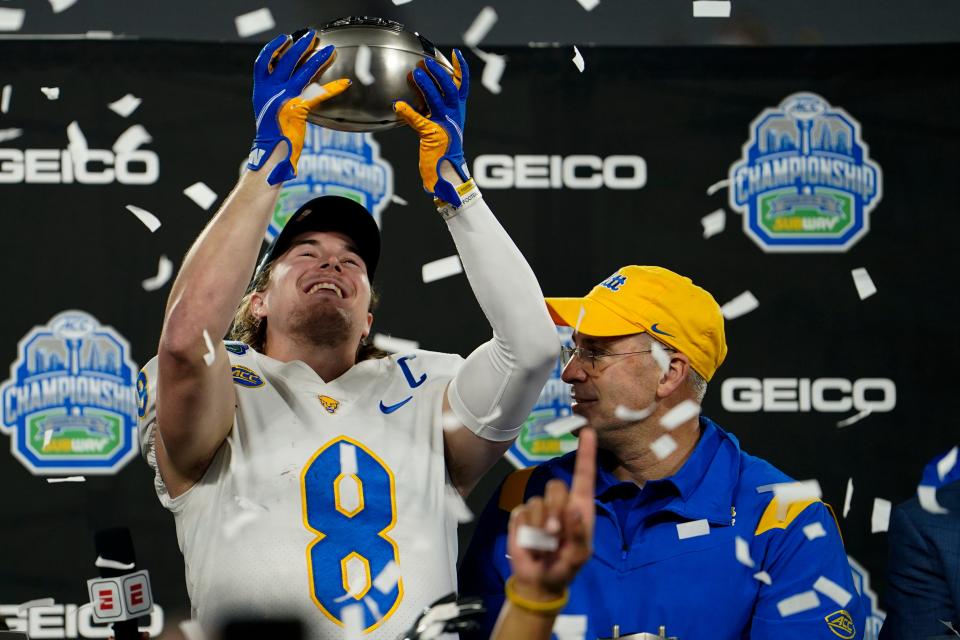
[389, 59]
[640, 636]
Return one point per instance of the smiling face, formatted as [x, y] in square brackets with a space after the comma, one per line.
[319, 292]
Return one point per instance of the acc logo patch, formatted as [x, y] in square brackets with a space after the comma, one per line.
[805, 181]
[238, 348]
[70, 404]
[246, 377]
[841, 624]
[142, 393]
[330, 404]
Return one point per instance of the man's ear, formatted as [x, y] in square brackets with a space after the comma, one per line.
[366, 332]
[258, 305]
[675, 376]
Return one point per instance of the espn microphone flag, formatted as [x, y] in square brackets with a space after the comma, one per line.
[122, 598]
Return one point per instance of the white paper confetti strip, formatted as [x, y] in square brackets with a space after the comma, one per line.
[5, 98]
[10, 134]
[634, 415]
[788, 493]
[202, 195]
[848, 498]
[210, 354]
[131, 139]
[928, 500]
[254, 22]
[536, 538]
[763, 577]
[693, 529]
[440, 269]
[578, 59]
[863, 282]
[125, 105]
[880, 518]
[192, 630]
[394, 345]
[450, 422]
[39, 602]
[946, 464]
[814, 530]
[398, 200]
[11, 19]
[52, 93]
[716, 186]
[714, 223]
[480, 27]
[949, 625]
[686, 410]
[76, 142]
[400, 2]
[61, 5]
[743, 553]
[832, 590]
[361, 66]
[149, 220]
[371, 604]
[739, 306]
[798, 603]
[348, 459]
[353, 621]
[711, 8]
[589, 5]
[456, 505]
[493, 67]
[388, 578]
[659, 355]
[583, 312]
[855, 418]
[564, 425]
[663, 446]
[106, 563]
[164, 271]
[66, 479]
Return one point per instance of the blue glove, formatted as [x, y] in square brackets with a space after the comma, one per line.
[441, 133]
[280, 74]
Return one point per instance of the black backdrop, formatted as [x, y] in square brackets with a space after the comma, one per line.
[687, 113]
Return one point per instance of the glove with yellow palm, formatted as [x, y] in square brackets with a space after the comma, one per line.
[441, 132]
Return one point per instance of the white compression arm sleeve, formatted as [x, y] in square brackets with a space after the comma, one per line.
[500, 381]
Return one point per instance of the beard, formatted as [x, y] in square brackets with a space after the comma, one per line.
[320, 325]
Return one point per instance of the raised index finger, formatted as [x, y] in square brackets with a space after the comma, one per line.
[585, 472]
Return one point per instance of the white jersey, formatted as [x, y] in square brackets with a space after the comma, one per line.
[323, 496]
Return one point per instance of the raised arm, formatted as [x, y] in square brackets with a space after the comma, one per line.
[195, 402]
[496, 388]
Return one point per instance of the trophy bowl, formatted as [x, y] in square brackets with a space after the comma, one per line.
[394, 53]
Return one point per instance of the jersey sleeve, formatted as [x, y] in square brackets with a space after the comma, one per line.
[147, 429]
[811, 592]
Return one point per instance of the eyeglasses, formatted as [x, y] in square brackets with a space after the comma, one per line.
[589, 357]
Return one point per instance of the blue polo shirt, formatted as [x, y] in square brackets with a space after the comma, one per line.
[646, 571]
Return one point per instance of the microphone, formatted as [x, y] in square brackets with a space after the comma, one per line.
[121, 594]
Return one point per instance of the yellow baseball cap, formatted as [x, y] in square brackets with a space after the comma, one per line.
[654, 300]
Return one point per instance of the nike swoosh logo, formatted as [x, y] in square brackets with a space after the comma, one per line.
[654, 328]
[390, 408]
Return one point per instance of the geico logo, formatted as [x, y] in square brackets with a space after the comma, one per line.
[559, 172]
[827, 395]
[66, 621]
[94, 166]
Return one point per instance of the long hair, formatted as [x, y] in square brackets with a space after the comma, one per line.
[248, 328]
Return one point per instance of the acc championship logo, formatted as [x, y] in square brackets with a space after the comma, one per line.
[534, 444]
[70, 405]
[336, 163]
[805, 181]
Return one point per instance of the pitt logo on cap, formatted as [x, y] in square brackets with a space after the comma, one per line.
[841, 624]
[329, 403]
[614, 282]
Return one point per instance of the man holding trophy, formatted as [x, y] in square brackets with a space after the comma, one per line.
[309, 475]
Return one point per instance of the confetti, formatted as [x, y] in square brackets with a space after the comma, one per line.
[536, 538]
[76, 142]
[946, 464]
[361, 66]
[348, 459]
[570, 627]
[11, 19]
[67, 479]
[394, 345]
[372, 606]
[577, 59]
[686, 410]
[61, 5]
[99, 35]
[400, 2]
[928, 500]
[693, 529]
[210, 355]
[5, 98]
[798, 603]
[192, 630]
[589, 5]
[125, 105]
[131, 139]
[583, 312]
[848, 498]
[763, 577]
[254, 22]
[659, 355]
[663, 446]
[711, 9]
[398, 200]
[949, 625]
[634, 415]
[164, 271]
[457, 506]
[30, 604]
[864, 283]
[10, 134]
[105, 563]
[480, 27]
[814, 530]
[739, 306]
[743, 553]
[52, 93]
[388, 578]
[450, 422]
[148, 219]
[353, 624]
[857, 417]
[440, 269]
[880, 518]
[833, 591]
[564, 425]
[787, 493]
[493, 68]
[714, 223]
[716, 186]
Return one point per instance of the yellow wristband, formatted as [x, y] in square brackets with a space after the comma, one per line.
[549, 607]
